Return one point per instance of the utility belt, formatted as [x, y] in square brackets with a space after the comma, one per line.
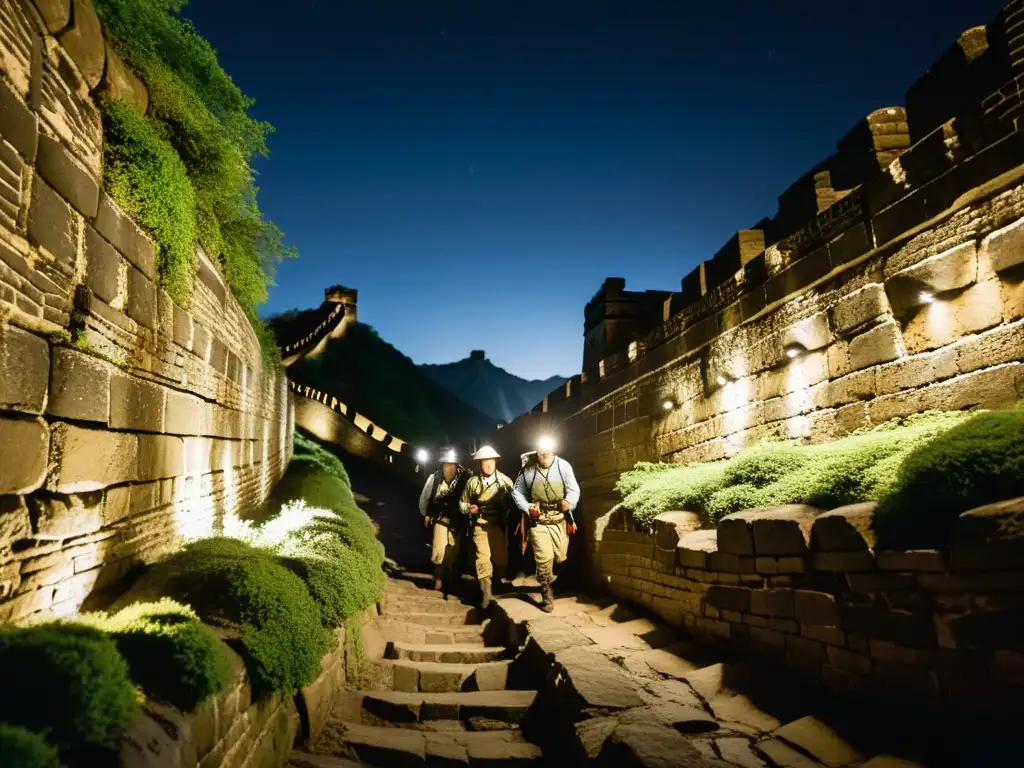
[550, 513]
[443, 520]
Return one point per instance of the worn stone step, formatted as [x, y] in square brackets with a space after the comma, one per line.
[301, 759]
[406, 607]
[400, 748]
[445, 654]
[413, 676]
[468, 616]
[394, 629]
[401, 708]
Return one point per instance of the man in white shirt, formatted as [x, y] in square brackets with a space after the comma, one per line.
[487, 501]
[439, 506]
[547, 493]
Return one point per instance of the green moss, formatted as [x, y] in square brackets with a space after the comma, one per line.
[193, 663]
[70, 682]
[978, 462]
[860, 467]
[21, 748]
[144, 173]
[232, 584]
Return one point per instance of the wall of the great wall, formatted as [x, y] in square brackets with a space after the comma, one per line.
[162, 418]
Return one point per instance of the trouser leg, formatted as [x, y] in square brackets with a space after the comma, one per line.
[439, 544]
[483, 552]
[543, 553]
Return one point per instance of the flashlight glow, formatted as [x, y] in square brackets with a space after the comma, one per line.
[422, 456]
[546, 444]
[927, 297]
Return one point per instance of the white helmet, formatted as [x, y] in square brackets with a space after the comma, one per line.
[486, 452]
[449, 457]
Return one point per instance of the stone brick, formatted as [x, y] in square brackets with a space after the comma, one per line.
[62, 517]
[783, 531]
[792, 565]
[845, 529]
[815, 608]
[849, 661]
[729, 598]
[769, 638]
[907, 629]
[928, 560]
[160, 456]
[182, 327]
[725, 563]
[119, 229]
[844, 562]
[74, 183]
[997, 346]
[23, 470]
[15, 524]
[141, 306]
[51, 223]
[24, 370]
[103, 266]
[1005, 247]
[878, 345]
[17, 123]
[766, 565]
[989, 537]
[694, 547]
[136, 404]
[827, 635]
[91, 459]
[185, 414]
[200, 341]
[83, 41]
[811, 333]
[218, 355]
[735, 534]
[860, 308]
[120, 83]
[815, 738]
[670, 526]
[772, 602]
[56, 13]
[198, 454]
[80, 386]
[116, 502]
[947, 271]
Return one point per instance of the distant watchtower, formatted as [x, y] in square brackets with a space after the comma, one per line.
[477, 354]
[340, 294]
[615, 317]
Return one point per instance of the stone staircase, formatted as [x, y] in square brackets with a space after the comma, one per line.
[441, 695]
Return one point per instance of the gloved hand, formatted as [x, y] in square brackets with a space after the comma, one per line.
[474, 509]
[563, 505]
[534, 512]
[426, 522]
[570, 529]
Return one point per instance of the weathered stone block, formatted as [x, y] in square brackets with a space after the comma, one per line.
[998, 346]
[23, 470]
[182, 327]
[115, 226]
[185, 414]
[990, 537]
[51, 223]
[735, 534]
[878, 345]
[90, 459]
[817, 608]
[200, 342]
[947, 271]
[693, 548]
[860, 308]
[927, 560]
[136, 404]
[24, 374]
[15, 524]
[783, 531]
[670, 526]
[120, 83]
[811, 333]
[772, 602]
[844, 562]
[846, 529]
[596, 683]
[729, 598]
[160, 456]
[74, 183]
[1005, 247]
[80, 386]
[17, 123]
[103, 266]
[817, 739]
[827, 635]
[56, 13]
[141, 306]
[83, 41]
[61, 517]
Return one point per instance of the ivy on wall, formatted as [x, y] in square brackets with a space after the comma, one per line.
[184, 169]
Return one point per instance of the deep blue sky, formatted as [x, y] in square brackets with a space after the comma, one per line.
[477, 168]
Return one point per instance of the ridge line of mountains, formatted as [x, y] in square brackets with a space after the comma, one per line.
[418, 403]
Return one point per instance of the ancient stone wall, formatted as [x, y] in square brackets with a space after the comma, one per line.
[901, 294]
[810, 589]
[128, 423]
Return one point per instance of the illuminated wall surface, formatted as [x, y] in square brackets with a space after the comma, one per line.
[114, 455]
[890, 281]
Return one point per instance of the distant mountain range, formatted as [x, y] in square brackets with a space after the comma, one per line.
[490, 389]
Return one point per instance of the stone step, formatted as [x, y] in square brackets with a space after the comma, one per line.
[400, 748]
[395, 629]
[301, 759]
[467, 616]
[431, 677]
[402, 708]
[445, 654]
[416, 605]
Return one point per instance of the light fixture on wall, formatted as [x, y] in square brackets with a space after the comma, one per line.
[795, 350]
[725, 379]
[926, 297]
[668, 405]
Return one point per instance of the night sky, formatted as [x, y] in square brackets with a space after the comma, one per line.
[476, 169]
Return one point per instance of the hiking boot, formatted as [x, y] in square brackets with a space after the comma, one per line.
[438, 576]
[485, 588]
[548, 599]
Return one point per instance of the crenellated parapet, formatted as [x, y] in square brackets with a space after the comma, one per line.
[616, 317]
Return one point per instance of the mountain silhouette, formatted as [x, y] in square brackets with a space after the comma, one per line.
[490, 389]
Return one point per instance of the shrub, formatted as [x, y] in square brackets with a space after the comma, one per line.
[146, 176]
[639, 474]
[25, 749]
[687, 487]
[763, 464]
[732, 498]
[232, 584]
[307, 449]
[978, 462]
[71, 683]
[193, 663]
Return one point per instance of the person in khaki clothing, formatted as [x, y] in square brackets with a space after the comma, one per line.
[547, 494]
[439, 505]
[487, 501]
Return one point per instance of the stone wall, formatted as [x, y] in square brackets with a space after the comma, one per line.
[810, 590]
[128, 423]
[901, 293]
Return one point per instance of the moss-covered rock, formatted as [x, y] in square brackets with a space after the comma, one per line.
[21, 748]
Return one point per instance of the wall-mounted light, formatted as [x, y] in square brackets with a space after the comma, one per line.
[793, 351]
[422, 457]
[926, 297]
[668, 405]
[722, 381]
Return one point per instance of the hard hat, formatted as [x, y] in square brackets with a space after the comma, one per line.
[486, 452]
[449, 457]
